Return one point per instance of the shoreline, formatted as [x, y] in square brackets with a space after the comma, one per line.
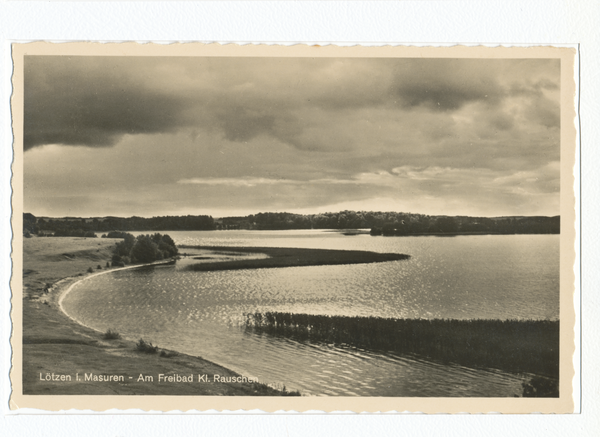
[62, 356]
[62, 292]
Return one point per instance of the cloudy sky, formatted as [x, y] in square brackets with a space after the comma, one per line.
[152, 136]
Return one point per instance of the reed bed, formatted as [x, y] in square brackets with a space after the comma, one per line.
[290, 257]
[518, 346]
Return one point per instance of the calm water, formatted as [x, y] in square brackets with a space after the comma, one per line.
[202, 313]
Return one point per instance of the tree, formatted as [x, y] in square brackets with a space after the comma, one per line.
[446, 224]
[124, 247]
[144, 250]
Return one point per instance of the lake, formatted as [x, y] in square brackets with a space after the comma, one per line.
[202, 313]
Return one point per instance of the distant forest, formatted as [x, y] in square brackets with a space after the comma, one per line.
[80, 227]
[379, 223]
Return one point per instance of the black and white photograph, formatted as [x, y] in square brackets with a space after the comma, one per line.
[295, 222]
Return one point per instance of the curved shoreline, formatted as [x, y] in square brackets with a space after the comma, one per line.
[275, 257]
[62, 292]
[54, 343]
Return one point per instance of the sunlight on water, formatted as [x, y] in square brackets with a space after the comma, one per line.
[202, 313]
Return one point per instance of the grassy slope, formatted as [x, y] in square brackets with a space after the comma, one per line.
[55, 343]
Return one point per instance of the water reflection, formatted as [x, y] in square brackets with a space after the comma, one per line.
[202, 313]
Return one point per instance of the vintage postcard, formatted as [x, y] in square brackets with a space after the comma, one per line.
[224, 227]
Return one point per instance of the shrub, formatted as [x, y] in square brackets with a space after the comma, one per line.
[99, 267]
[539, 387]
[90, 270]
[146, 347]
[111, 335]
[107, 264]
[286, 392]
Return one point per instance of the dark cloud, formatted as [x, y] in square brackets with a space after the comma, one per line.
[91, 102]
[447, 84]
[544, 112]
[502, 121]
[241, 124]
[291, 133]
[94, 101]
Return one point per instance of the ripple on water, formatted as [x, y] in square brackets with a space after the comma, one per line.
[202, 313]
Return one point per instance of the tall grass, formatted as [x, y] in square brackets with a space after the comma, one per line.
[291, 257]
[519, 346]
[111, 335]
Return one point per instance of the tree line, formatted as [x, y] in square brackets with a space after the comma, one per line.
[395, 223]
[85, 227]
[380, 223]
[471, 225]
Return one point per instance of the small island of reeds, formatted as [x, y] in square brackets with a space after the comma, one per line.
[291, 257]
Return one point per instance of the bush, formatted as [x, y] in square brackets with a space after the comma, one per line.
[539, 387]
[286, 392]
[146, 347]
[99, 267]
[111, 335]
[90, 270]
